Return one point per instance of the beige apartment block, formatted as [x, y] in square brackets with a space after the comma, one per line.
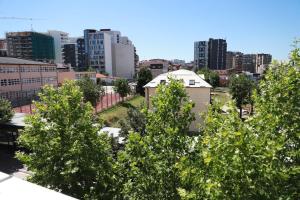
[197, 89]
[20, 80]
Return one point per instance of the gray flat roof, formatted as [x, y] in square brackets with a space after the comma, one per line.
[11, 60]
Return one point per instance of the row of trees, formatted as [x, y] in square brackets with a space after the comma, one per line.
[229, 159]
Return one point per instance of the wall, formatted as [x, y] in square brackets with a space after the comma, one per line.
[108, 53]
[123, 60]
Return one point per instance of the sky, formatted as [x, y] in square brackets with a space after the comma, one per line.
[167, 28]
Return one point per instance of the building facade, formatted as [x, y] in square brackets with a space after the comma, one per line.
[30, 45]
[3, 47]
[82, 64]
[156, 66]
[109, 52]
[201, 54]
[60, 38]
[21, 80]
[196, 88]
[262, 62]
[70, 54]
[217, 49]
[249, 62]
[210, 54]
[74, 54]
[99, 48]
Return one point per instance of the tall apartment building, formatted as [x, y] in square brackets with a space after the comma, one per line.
[60, 38]
[210, 54]
[70, 54]
[234, 60]
[30, 45]
[262, 62]
[109, 52]
[249, 62]
[229, 59]
[82, 64]
[201, 54]
[217, 54]
[74, 54]
[99, 49]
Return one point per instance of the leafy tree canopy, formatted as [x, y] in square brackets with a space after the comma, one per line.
[144, 76]
[122, 87]
[91, 91]
[149, 161]
[66, 152]
[241, 87]
[6, 111]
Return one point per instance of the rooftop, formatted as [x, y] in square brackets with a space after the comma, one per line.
[15, 188]
[10, 60]
[190, 79]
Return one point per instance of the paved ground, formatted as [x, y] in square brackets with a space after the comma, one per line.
[11, 165]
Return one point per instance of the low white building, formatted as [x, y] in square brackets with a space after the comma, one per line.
[196, 87]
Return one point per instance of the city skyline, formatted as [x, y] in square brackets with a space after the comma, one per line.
[167, 29]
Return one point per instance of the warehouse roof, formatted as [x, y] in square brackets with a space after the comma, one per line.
[189, 78]
[18, 61]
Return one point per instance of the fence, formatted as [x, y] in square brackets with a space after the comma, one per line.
[107, 101]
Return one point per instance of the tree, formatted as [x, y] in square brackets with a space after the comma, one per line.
[241, 89]
[256, 159]
[91, 91]
[144, 76]
[135, 121]
[148, 163]
[122, 87]
[66, 152]
[6, 111]
[210, 76]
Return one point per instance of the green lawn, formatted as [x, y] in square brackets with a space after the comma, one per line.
[112, 115]
[221, 94]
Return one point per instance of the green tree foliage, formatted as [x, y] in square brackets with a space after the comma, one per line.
[6, 111]
[148, 163]
[91, 91]
[144, 76]
[210, 76]
[66, 152]
[122, 87]
[135, 121]
[241, 87]
[257, 159]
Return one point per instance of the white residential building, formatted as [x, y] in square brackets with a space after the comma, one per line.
[109, 52]
[60, 38]
[196, 88]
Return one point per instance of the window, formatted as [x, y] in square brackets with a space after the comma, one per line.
[162, 81]
[191, 82]
[3, 82]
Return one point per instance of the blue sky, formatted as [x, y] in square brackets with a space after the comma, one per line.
[167, 28]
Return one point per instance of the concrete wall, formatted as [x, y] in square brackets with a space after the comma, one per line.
[123, 60]
[107, 53]
[201, 98]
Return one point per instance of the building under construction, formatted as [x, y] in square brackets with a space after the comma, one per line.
[30, 45]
